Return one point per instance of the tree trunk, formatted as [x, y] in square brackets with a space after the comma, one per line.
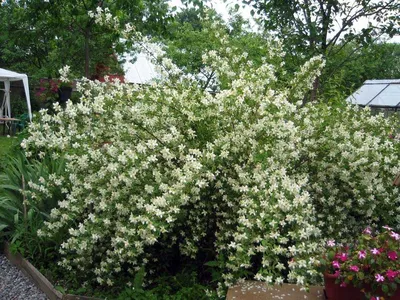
[87, 53]
[314, 91]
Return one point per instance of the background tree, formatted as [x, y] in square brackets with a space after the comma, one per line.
[379, 60]
[41, 36]
[191, 35]
[312, 27]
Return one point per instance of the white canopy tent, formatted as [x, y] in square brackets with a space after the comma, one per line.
[8, 76]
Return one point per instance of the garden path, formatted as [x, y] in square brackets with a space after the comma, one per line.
[14, 285]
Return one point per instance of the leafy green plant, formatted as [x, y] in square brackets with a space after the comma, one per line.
[21, 215]
[182, 286]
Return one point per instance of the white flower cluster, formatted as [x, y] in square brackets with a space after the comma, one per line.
[64, 73]
[104, 18]
[260, 178]
[351, 162]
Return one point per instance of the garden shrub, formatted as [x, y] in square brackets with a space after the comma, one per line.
[351, 163]
[249, 175]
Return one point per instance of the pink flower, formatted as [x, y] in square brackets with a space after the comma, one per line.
[336, 264]
[379, 278]
[331, 243]
[354, 268]
[375, 251]
[387, 227]
[367, 230]
[395, 235]
[392, 255]
[343, 257]
[390, 274]
[362, 254]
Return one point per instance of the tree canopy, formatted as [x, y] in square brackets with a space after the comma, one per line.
[197, 30]
[39, 37]
[312, 27]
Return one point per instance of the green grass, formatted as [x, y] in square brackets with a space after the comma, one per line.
[6, 144]
[6, 148]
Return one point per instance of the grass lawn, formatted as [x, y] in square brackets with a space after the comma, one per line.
[6, 144]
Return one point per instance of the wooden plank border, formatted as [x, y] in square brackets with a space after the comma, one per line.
[38, 279]
[256, 290]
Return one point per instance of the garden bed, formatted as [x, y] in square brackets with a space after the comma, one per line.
[248, 290]
[39, 280]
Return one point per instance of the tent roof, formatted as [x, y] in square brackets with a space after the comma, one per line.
[142, 71]
[10, 75]
[7, 76]
[378, 93]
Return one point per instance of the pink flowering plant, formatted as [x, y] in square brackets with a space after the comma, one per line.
[47, 91]
[372, 263]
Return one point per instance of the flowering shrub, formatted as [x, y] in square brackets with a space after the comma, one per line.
[244, 172]
[370, 261]
[351, 164]
[47, 91]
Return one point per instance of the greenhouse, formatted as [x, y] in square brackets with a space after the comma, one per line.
[381, 95]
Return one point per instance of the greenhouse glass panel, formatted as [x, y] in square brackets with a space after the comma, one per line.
[388, 97]
[366, 93]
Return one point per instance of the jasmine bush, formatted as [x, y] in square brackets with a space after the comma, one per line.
[249, 175]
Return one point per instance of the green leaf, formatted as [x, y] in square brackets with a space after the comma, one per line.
[360, 275]
[331, 255]
[212, 263]
[80, 291]
[393, 286]
[60, 289]
[138, 280]
[385, 288]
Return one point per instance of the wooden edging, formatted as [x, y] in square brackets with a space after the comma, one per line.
[38, 279]
[256, 290]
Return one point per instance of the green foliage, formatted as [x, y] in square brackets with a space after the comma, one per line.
[352, 65]
[39, 37]
[7, 145]
[307, 25]
[193, 33]
[308, 28]
[21, 215]
[167, 287]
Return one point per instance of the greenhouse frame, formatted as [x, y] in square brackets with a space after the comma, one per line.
[382, 96]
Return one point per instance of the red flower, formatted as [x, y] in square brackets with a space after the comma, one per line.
[391, 275]
[392, 255]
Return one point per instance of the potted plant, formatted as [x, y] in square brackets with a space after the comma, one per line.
[368, 267]
[46, 94]
[64, 92]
